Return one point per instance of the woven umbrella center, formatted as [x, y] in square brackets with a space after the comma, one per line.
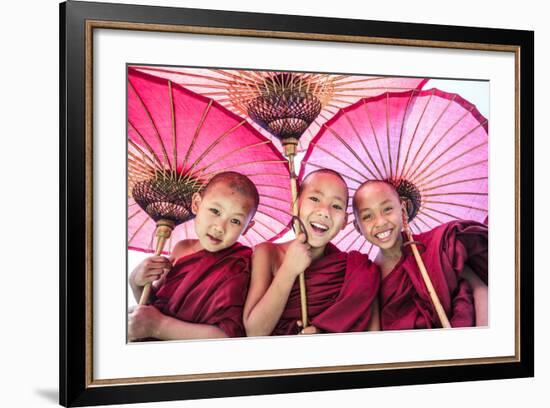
[410, 194]
[285, 107]
[167, 197]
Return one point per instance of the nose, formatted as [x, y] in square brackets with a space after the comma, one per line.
[219, 228]
[322, 211]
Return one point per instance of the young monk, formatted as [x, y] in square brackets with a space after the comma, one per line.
[453, 252]
[341, 287]
[203, 293]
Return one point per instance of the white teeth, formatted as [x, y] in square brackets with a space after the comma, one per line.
[383, 235]
[320, 226]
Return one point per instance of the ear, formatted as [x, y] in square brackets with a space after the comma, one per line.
[356, 225]
[345, 222]
[195, 203]
[404, 214]
[250, 225]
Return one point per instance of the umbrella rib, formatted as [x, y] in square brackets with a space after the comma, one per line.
[173, 115]
[144, 160]
[213, 145]
[338, 81]
[134, 214]
[354, 241]
[139, 229]
[239, 165]
[469, 207]
[442, 213]
[184, 73]
[317, 166]
[240, 149]
[455, 182]
[388, 133]
[195, 136]
[419, 218]
[263, 224]
[271, 186]
[425, 138]
[258, 233]
[271, 217]
[446, 163]
[285, 176]
[147, 145]
[274, 198]
[375, 138]
[427, 183]
[475, 193]
[274, 208]
[444, 134]
[413, 92]
[138, 164]
[363, 244]
[347, 146]
[157, 133]
[430, 216]
[337, 158]
[405, 168]
[363, 144]
[345, 236]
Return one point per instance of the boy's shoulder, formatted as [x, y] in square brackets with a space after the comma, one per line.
[183, 248]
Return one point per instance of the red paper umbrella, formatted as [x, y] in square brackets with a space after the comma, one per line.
[430, 144]
[283, 104]
[177, 141]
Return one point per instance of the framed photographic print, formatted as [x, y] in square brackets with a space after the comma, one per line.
[158, 102]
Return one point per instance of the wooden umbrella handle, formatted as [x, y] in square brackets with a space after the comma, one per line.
[163, 232]
[290, 152]
[429, 286]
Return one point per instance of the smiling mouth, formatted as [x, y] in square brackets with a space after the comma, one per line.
[318, 227]
[384, 235]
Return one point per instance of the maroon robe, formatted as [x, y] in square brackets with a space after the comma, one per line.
[340, 290]
[208, 288]
[404, 299]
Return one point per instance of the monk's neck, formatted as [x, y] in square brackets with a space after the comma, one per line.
[317, 253]
[388, 258]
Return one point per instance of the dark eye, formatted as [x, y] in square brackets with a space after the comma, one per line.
[315, 199]
[366, 217]
[337, 207]
[215, 211]
[236, 221]
[388, 209]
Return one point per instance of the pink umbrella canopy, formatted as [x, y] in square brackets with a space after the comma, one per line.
[280, 104]
[432, 145]
[177, 141]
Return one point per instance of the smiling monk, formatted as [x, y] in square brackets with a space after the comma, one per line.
[202, 294]
[341, 287]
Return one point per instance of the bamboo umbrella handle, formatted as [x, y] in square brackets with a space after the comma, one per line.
[290, 152]
[428, 282]
[163, 232]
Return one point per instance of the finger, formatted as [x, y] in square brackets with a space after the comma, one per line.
[299, 323]
[301, 237]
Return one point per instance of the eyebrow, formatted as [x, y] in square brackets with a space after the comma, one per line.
[321, 193]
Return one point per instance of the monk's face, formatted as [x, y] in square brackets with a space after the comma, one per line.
[378, 215]
[222, 215]
[322, 207]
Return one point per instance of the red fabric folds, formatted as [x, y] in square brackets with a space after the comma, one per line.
[404, 300]
[208, 288]
[340, 290]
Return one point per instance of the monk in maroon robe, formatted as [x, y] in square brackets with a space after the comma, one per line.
[449, 248]
[455, 256]
[209, 288]
[202, 294]
[341, 288]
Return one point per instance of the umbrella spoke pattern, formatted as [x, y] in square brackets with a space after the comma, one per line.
[177, 141]
[432, 145]
[282, 104]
